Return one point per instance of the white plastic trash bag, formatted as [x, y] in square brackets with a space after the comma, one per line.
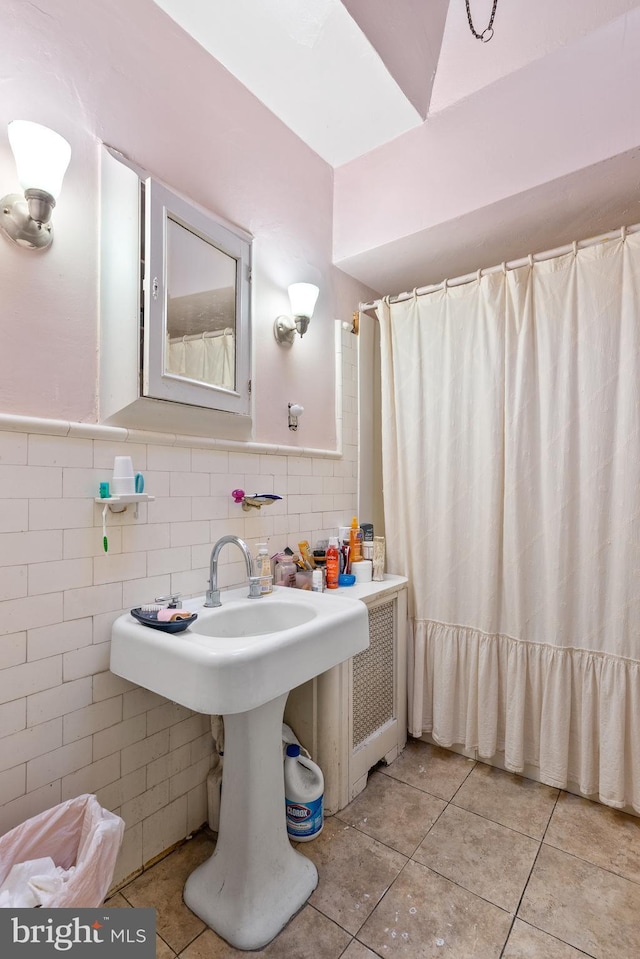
[33, 883]
[289, 738]
[81, 838]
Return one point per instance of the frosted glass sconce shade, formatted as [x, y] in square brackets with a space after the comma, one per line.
[302, 297]
[42, 157]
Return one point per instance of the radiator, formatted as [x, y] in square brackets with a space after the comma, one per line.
[355, 715]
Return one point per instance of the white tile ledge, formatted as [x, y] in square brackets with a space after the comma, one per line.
[35, 424]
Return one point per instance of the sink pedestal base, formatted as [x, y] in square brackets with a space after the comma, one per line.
[255, 881]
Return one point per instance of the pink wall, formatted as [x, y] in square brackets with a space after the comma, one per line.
[125, 74]
[576, 107]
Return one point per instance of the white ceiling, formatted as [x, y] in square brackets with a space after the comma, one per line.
[349, 77]
[309, 62]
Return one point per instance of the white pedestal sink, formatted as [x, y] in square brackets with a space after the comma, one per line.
[240, 660]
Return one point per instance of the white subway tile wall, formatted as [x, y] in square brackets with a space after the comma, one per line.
[68, 725]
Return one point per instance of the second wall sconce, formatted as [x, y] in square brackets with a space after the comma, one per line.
[295, 410]
[42, 157]
[302, 297]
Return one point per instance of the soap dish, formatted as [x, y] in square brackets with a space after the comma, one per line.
[149, 618]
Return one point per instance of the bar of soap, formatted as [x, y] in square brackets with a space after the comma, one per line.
[172, 615]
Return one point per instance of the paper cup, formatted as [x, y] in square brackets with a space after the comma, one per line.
[123, 485]
[123, 466]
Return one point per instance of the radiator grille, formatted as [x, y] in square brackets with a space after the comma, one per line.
[373, 676]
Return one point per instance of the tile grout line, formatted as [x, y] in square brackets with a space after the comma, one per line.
[380, 900]
[580, 952]
[420, 792]
[595, 865]
[393, 849]
[423, 865]
[346, 947]
[131, 906]
[524, 888]
[450, 802]
[429, 868]
[573, 856]
[588, 862]
[417, 790]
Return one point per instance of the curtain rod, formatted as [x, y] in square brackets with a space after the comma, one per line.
[509, 265]
[201, 336]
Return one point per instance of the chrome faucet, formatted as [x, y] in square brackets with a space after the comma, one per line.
[213, 593]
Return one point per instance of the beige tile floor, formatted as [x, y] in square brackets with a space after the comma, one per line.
[440, 857]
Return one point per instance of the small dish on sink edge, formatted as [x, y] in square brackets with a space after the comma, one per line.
[149, 618]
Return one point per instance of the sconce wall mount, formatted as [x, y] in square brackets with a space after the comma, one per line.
[42, 157]
[295, 410]
[302, 297]
[24, 218]
[286, 327]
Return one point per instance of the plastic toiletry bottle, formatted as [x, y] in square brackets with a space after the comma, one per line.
[367, 532]
[286, 573]
[304, 795]
[263, 569]
[333, 563]
[355, 542]
[343, 541]
[317, 580]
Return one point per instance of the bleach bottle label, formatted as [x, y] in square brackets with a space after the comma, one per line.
[304, 820]
[304, 795]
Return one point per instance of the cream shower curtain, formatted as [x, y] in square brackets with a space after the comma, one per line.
[511, 458]
[209, 358]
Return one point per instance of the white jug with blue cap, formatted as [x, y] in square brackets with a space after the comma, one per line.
[304, 795]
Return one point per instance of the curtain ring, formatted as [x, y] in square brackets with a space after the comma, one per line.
[504, 267]
[531, 260]
[479, 275]
[415, 292]
[575, 247]
[445, 284]
[623, 233]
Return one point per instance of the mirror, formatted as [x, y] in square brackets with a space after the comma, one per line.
[196, 305]
[201, 310]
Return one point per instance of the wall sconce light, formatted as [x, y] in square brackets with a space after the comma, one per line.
[302, 297]
[42, 157]
[295, 410]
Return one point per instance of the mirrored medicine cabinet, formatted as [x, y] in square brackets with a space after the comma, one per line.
[175, 325]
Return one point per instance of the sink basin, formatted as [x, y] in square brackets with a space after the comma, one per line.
[243, 653]
[240, 660]
[253, 618]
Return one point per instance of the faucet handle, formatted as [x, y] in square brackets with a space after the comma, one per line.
[212, 598]
[172, 600]
[255, 591]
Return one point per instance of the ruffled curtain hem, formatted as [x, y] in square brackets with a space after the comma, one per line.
[572, 713]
